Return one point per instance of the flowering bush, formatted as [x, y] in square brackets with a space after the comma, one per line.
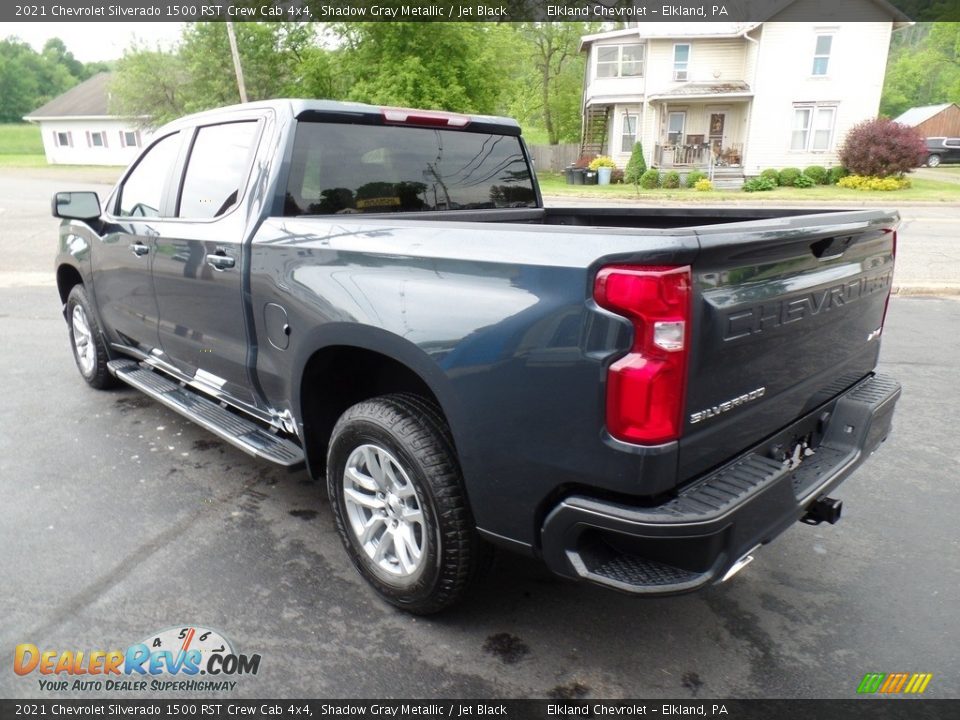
[882, 148]
[693, 177]
[703, 185]
[602, 161]
[865, 182]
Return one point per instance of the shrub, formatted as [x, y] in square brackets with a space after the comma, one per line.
[835, 173]
[759, 184]
[817, 173]
[702, 185]
[788, 176]
[882, 148]
[671, 180]
[771, 174]
[650, 179]
[601, 161]
[693, 177]
[867, 182]
[804, 181]
[616, 177]
[636, 167]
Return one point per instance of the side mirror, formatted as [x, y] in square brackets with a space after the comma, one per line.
[76, 205]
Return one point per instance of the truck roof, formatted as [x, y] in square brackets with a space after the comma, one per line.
[318, 109]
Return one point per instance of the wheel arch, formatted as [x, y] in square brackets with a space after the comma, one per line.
[68, 276]
[346, 364]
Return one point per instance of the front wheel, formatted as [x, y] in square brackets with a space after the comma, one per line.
[399, 504]
[933, 161]
[89, 347]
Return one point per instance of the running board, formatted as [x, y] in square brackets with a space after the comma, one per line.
[236, 430]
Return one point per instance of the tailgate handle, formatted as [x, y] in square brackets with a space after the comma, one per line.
[830, 248]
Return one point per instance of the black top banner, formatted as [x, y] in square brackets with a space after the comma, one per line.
[736, 11]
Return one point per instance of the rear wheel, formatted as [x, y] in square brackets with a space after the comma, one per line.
[399, 504]
[89, 348]
[933, 161]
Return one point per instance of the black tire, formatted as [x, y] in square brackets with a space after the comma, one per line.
[92, 364]
[414, 433]
[933, 161]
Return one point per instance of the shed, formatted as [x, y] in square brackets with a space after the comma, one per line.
[934, 120]
[78, 128]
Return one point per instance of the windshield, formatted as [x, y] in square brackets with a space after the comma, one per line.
[342, 168]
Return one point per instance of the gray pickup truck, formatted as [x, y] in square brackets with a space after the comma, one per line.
[639, 397]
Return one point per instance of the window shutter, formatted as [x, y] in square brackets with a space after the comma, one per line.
[122, 143]
[89, 141]
[104, 136]
[70, 138]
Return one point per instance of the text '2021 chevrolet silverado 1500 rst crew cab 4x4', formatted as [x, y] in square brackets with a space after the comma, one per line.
[638, 397]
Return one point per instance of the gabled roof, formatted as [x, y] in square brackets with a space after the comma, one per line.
[89, 99]
[765, 10]
[917, 115]
[668, 30]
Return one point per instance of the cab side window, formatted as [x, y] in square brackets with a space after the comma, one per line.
[217, 169]
[142, 192]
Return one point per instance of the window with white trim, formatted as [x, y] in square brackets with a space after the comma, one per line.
[615, 61]
[63, 139]
[812, 127]
[821, 54]
[628, 133]
[96, 139]
[129, 138]
[681, 62]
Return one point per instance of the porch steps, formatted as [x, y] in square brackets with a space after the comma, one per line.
[595, 121]
[726, 178]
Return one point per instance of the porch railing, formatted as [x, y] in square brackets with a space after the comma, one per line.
[682, 155]
[701, 156]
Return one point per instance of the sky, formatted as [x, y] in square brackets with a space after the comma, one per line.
[90, 41]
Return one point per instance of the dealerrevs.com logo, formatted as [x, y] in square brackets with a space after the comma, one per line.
[189, 659]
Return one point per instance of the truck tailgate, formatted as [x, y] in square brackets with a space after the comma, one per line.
[786, 315]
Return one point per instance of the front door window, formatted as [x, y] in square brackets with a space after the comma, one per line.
[675, 123]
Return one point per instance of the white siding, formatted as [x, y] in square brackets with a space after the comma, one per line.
[784, 77]
[81, 152]
[711, 61]
[598, 87]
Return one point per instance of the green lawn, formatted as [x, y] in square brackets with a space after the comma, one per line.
[20, 139]
[921, 190]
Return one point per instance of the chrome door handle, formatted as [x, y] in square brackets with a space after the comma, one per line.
[139, 249]
[220, 262]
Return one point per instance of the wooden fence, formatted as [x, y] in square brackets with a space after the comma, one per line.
[554, 158]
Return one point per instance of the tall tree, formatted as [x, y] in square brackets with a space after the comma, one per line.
[557, 74]
[923, 68]
[158, 85]
[150, 86]
[446, 66]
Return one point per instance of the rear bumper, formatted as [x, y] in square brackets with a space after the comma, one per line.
[696, 538]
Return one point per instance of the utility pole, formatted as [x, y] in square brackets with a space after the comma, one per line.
[236, 62]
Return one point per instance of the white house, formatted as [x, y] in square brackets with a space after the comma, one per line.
[78, 129]
[779, 93]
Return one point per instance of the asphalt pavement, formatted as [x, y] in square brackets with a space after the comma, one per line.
[120, 519]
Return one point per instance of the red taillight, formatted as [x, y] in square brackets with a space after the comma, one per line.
[408, 116]
[645, 388]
